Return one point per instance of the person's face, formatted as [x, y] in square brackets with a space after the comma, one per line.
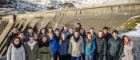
[126, 39]
[43, 31]
[77, 25]
[89, 36]
[63, 36]
[105, 30]
[50, 30]
[100, 34]
[16, 41]
[50, 35]
[44, 39]
[30, 31]
[35, 36]
[71, 31]
[15, 30]
[114, 34]
[21, 35]
[57, 32]
[91, 30]
[65, 28]
[76, 34]
[31, 39]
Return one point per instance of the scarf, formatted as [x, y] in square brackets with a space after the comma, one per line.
[31, 45]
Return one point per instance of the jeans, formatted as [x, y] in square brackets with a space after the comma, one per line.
[76, 58]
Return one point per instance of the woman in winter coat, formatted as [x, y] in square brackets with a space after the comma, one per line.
[128, 53]
[44, 52]
[31, 48]
[101, 46]
[76, 46]
[63, 47]
[16, 50]
[89, 47]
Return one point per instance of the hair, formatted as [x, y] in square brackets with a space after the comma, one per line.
[15, 39]
[88, 41]
[91, 28]
[51, 31]
[79, 24]
[115, 31]
[107, 28]
[57, 29]
[124, 37]
[88, 33]
[41, 30]
[31, 37]
[71, 28]
[41, 43]
[61, 35]
[66, 25]
[20, 33]
[30, 28]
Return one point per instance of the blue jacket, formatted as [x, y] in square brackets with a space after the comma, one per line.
[63, 47]
[89, 51]
[54, 45]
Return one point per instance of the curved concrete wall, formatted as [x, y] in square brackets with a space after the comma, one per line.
[97, 17]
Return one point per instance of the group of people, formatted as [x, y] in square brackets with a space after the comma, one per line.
[68, 43]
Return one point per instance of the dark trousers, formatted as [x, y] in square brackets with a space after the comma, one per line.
[55, 57]
[83, 56]
[99, 56]
[64, 57]
[110, 57]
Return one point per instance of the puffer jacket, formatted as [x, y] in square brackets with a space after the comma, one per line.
[54, 45]
[101, 45]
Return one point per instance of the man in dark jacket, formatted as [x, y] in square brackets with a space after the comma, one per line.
[101, 47]
[107, 35]
[114, 45]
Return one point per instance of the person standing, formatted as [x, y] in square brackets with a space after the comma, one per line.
[76, 46]
[54, 44]
[31, 48]
[28, 34]
[63, 47]
[114, 46]
[14, 33]
[89, 47]
[44, 51]
[101, 47]
[16, 50]
[128, 53]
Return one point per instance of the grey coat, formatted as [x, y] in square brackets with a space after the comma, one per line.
[14, 53]
[128, 53]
